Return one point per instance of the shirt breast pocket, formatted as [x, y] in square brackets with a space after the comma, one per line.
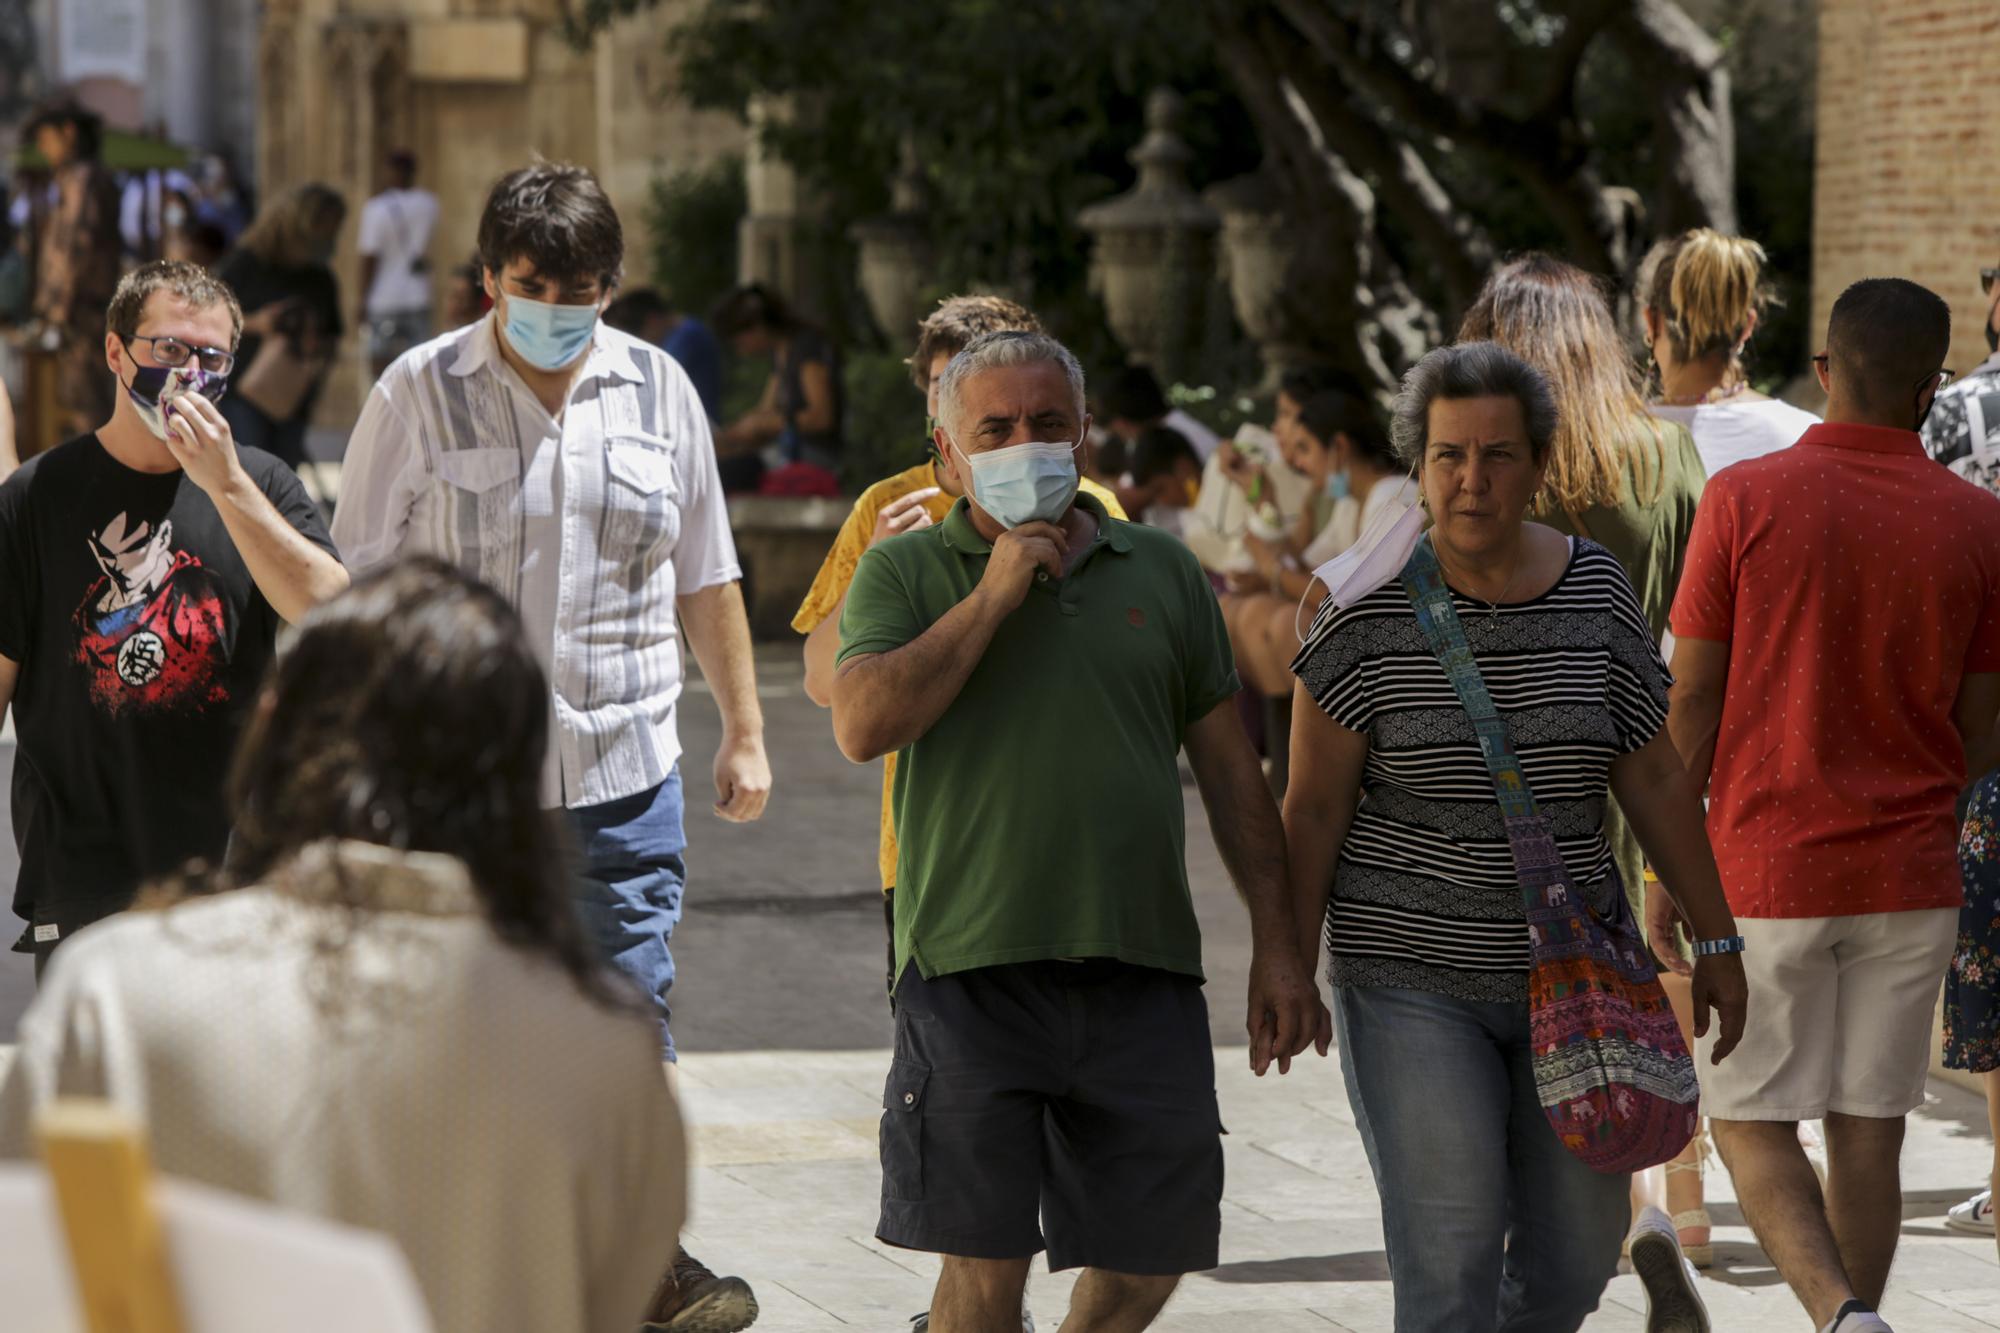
[482, 490]
[642, 510]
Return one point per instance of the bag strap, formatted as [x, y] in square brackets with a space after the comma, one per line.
[1533, 843]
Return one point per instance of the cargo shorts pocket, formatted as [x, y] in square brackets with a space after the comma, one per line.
[903, 1131]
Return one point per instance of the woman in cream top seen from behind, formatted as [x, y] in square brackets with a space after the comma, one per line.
[382, 1011]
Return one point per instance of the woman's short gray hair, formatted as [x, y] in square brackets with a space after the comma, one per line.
[996, 351]
[1470, 370]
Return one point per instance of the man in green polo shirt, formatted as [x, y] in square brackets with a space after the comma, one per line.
[1038, 667]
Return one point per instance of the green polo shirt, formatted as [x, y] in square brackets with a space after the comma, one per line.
[1041, 816]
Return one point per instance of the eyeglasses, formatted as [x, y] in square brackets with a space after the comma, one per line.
[1942, 377]
[1987, 277]
[173, 352]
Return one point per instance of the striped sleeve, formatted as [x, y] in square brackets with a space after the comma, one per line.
[1636, 684]
[1336, 663]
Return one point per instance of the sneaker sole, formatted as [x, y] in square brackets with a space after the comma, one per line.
[1968, 1228]
[1672, 1303]
[730, 1308]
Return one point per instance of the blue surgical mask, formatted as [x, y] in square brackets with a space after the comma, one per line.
[548, 336]
[1023, 483]
[1336, 486]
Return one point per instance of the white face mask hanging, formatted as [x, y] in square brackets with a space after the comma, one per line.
[1376, 557]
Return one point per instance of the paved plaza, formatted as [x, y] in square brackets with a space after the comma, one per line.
[785, 1038]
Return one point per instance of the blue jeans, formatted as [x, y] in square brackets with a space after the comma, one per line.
[628, 889]
[1490, 1223]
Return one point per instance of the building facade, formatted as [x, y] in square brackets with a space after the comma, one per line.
[1907, 175]
[184, 69]
[473, 88]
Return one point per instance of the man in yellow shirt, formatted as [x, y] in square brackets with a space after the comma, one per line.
[914, 498]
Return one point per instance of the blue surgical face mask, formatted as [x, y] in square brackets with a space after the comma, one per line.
[1023, 483]
[548, 336]
[1336, 486]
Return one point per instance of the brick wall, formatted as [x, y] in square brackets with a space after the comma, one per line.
[1908, 170]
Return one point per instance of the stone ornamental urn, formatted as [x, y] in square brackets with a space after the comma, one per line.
[1153, 258]
[1258, 247]
[895, 260]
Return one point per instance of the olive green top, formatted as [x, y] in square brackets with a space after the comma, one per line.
[1650, 541]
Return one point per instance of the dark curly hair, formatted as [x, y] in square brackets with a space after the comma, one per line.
[410, 712]
[558, 218]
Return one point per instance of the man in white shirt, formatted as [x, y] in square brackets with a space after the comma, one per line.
[570, 466]
[395, 247]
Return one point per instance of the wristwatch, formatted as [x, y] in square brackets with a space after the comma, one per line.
[1727, 944]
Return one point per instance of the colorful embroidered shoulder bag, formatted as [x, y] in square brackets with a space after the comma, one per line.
[1614, 1076]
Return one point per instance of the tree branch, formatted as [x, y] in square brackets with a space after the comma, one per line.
[1455, 244]
[1549, 156]
[1693, 123]
[1583, 22]
[1331, 295]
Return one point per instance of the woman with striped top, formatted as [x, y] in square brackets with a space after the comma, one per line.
[1489, 1221]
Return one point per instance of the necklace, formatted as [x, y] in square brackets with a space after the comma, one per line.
[1493, 608]
[1719, 394]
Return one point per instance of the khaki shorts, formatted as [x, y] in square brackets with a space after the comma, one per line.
[1840, 1017]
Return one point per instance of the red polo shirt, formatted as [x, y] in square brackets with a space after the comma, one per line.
[1855, 582]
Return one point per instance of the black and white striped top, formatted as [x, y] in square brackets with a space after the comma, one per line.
[1426, 896]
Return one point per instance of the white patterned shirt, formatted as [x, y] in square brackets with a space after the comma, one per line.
[592, 524]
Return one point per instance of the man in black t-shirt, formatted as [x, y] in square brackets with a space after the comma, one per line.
[144, 571]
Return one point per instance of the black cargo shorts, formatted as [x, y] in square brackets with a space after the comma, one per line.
[1060, 1105]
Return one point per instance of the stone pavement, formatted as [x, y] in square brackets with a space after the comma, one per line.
[785, 1186]
[779, 1014]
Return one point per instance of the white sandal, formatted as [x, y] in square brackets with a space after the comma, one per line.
[1702, 1255]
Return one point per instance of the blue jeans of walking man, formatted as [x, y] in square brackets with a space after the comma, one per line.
[628, 887]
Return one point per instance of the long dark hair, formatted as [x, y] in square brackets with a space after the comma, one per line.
[410, 712]
[1342, 411]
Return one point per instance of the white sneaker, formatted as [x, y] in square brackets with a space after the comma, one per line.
[921, 1323]
[1673, 1303]
[1974, 1216]
[1854, 1317]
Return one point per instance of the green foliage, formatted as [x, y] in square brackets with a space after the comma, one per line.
[884, 426]
[693, 217]
[1021, 112]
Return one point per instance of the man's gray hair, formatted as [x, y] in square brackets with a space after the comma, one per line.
[998, 351]
[1470, 370]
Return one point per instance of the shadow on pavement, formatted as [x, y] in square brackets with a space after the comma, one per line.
[1360, 1266]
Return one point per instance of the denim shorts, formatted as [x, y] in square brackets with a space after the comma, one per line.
[627, 890]
[1060, 1105]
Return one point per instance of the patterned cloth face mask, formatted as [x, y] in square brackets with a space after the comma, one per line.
[153, 387]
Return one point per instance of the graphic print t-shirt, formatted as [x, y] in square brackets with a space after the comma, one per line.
[141, 640]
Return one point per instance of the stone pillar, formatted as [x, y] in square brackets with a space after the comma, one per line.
[1258, 248]
[1153, 260]
[895, 265]
[769, 250]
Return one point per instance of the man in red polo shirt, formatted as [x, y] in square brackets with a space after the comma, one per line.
[1838, 663]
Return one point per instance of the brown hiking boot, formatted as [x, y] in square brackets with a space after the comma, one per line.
[691, 1299]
